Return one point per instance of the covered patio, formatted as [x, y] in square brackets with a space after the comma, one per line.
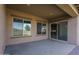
[42, 47]
[39, 29]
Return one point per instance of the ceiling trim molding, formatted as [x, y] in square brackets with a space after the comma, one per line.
[60, 18]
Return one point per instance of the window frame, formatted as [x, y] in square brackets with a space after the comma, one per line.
[23, 19]
[41, 28]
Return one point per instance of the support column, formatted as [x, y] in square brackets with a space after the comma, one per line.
[2, 28]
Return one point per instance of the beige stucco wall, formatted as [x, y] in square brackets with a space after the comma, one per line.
[2, 28]
[34, 20]
[72, 30]
[78, 30]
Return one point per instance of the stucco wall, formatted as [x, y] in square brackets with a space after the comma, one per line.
[2, 28]
[78, 30]
[34, 20]
[72, 30]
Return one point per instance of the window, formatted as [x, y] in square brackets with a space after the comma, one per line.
[17, 27]
[41, 28]
[21, 27]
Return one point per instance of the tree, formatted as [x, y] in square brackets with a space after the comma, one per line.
[27, 28]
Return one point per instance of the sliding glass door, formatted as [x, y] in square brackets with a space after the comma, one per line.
[54, 31]
[59, 31]
[62, 31]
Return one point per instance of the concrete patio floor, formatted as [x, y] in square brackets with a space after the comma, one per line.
[75, 51]
[43, 47]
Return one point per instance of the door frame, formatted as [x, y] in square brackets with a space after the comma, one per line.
[57, 30]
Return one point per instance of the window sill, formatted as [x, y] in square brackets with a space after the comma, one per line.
[20, 36]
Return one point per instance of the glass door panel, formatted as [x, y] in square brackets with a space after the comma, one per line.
[54, 31]
[62, 31]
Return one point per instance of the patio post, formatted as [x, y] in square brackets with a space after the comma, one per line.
[2, 28]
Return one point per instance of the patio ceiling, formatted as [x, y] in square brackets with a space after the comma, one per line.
[77, 6]
[47, 11]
